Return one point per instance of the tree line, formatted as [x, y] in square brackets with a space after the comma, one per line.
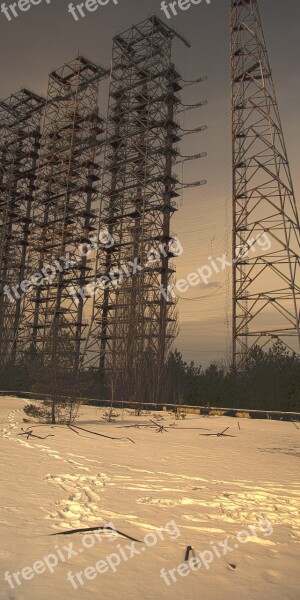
[268, 381]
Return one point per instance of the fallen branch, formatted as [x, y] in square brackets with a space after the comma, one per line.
[102, 435]
[161, 428]
[102, 527]
[140, 425]
[136, 426]
[30, 434]
[72, 429]
[221, 434]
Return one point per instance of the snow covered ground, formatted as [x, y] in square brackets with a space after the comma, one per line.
[169, 490]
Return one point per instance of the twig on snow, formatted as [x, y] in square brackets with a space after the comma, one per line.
[102, 527]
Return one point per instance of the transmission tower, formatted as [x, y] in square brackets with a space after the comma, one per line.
[133, 322]
[20, 117]
[266, 234]
[65, 216]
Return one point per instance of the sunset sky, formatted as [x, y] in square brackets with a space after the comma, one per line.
[47, 36]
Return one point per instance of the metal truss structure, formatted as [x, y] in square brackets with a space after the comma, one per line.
[20, 117]
[133, 315]
[88, 256]
[65, 216]
[266, 234]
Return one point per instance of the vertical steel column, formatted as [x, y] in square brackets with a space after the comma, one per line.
[266, 233]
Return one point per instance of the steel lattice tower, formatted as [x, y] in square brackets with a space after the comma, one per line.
[65, 215]
[133, 323]
[266, 280]
[20, 117]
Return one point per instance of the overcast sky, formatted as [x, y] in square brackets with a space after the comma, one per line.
[47, 36]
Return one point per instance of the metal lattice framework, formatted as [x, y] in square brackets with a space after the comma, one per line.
[20, 117]
[266, 279]
[133, 323]
[65, 216]
[108, 310]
